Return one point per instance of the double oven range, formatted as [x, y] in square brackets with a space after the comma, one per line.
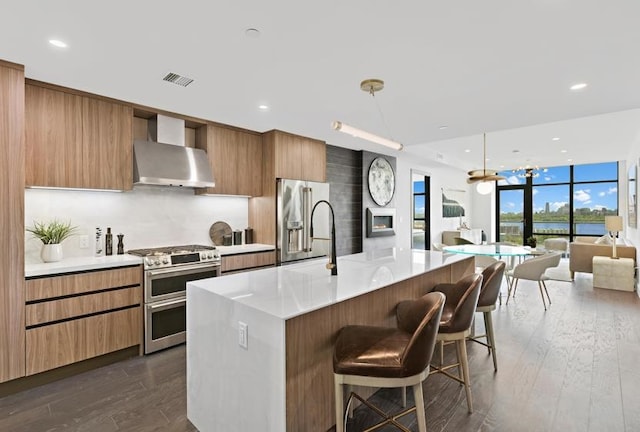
[166, 273]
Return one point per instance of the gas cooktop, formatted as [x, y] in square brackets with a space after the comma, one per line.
[170, 250]
[171, 256]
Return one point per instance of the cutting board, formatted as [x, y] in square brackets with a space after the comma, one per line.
[217, 231]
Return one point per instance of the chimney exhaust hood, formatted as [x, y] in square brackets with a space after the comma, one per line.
[164, 160]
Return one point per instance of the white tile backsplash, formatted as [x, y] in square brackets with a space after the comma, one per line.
[148, 216]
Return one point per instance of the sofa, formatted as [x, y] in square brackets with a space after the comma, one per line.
[583, 249]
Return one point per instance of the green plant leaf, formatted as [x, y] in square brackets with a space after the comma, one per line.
[53, 232]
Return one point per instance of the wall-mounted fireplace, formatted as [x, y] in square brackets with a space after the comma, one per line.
[380, 222]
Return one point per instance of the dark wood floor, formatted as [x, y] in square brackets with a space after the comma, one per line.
[575, 367]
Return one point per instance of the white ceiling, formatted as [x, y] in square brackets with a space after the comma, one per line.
[474, 66]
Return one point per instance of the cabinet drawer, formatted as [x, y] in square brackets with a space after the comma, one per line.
[60, 286]
[56, 345]
[54, 310]
[247, 261]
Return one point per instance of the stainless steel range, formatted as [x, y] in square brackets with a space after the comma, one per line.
[166, 273]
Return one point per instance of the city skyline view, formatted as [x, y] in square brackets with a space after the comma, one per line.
[595, 188]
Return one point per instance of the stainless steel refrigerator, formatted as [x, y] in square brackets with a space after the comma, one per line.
[295, 200]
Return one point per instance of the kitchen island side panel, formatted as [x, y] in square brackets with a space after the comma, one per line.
[243, 388]
[310, 339]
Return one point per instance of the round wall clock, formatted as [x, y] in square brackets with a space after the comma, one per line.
[382, 182]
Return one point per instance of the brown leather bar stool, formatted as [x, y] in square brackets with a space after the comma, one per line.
[455, 324]
[491, 282]
[389, 357]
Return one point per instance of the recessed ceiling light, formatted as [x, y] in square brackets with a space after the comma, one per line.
[443, 127]
[578, 86]
[252, 33]
[467, 150]
[487, 159]
[555, 139]
[57, 43]
[501, 166]
[263, 107]
[563, 151]
[569, 160]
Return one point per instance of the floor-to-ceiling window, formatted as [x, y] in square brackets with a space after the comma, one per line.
[421, 232]
[564, 201]
[595, 195]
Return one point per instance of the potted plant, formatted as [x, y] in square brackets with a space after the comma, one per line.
[51, 235]
[532, 241]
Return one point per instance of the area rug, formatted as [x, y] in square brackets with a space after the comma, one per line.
[560, 273]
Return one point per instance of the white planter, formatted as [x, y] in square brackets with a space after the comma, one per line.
[51, 252]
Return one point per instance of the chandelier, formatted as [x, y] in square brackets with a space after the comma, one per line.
[528, 171]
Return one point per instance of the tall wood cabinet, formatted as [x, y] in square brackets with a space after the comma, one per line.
[284, 156]
[12, 333]
[236, 159]
[77, 141]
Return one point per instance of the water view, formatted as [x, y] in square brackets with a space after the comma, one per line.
[594, 228]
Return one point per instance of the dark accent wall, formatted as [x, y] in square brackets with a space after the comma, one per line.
[344, 174]
[373, 243]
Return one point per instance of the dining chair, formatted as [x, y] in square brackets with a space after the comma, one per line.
[533, 269]
[484, 261]
[461, 241]
[438, 247]
[388, 357]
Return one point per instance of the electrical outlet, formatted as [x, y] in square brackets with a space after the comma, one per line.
[84, 241]
[243, 335]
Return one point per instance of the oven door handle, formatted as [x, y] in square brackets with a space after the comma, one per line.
[166, 304]
[176, 271]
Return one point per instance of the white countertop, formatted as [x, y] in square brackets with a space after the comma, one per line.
[245, 248]
[68, 265]
[296, 289]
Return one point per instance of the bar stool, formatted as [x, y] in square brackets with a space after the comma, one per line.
[455, 325]
[491, 282]
[388, 357]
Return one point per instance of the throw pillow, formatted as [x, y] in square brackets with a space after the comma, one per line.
[604, 240]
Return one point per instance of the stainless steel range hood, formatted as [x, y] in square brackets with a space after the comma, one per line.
[164, 160]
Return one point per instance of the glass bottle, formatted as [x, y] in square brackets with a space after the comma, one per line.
[108, 242]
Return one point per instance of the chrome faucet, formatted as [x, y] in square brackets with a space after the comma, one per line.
[333, 263]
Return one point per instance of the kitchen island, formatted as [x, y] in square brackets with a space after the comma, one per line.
[282, 378]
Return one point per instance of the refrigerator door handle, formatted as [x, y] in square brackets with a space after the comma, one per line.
[307, 198]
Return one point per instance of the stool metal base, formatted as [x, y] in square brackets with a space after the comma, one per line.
[462, 364]
[388, 419]
[414, 381]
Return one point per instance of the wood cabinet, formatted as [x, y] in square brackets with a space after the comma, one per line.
[284, 156]
[77, 141]
[12, 332]
[247, 261]
[74, 317]
[107, 138]
[236, 159]
[299, 158]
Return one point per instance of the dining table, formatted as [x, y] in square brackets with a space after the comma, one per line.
[494, 250]
[497, 251]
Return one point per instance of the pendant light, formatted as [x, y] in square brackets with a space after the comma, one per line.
[371, 86]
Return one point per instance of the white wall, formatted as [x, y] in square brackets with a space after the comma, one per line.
[148, 216]
[442, 177]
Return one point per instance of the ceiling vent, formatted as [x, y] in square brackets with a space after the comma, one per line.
[177, 79]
